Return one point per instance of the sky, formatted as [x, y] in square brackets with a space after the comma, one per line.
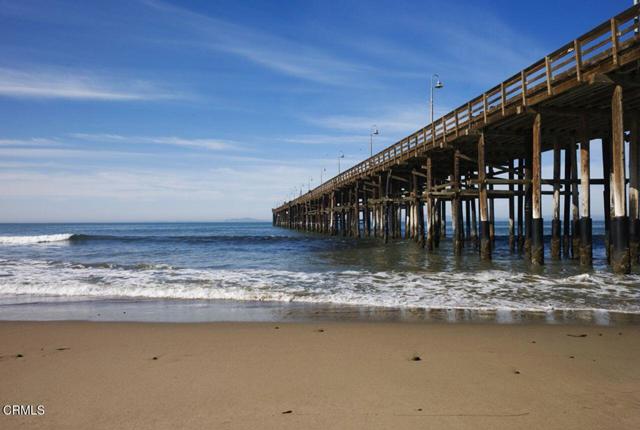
[159, 110]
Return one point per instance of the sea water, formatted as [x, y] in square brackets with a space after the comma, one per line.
[153, 270]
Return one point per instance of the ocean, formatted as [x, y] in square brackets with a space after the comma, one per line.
[253, 271]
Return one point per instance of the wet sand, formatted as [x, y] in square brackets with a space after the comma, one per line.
[320, 375]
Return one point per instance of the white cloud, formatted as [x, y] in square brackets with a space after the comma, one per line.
[323, 139]
[204, 143]
[73, 85]
[34, 141]
[270, 51]
[399, 121]
[147, 194]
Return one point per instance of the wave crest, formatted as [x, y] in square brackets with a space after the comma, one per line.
[25, 240]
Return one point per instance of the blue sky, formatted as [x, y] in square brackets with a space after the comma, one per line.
[146, 110]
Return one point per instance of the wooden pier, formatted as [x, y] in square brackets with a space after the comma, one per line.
[491, 148]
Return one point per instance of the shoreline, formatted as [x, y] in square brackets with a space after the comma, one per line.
[320, 375]
[50, 308]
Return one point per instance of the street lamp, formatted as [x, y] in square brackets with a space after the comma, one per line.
[438, 84]
[339, 157]
[372, 132]
[321, 172]
[310, 180]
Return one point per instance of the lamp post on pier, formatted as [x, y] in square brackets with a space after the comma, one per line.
[339, 157]
[437, 85]
[373, 132]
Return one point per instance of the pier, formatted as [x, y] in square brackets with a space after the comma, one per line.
[491, 148]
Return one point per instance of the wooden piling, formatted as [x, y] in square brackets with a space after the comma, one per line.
[620, 260]
[455, 206]
[467, 219]
[555, 222]
[429, 204]
[575, 205]
[520, 205]
[634, 189]
[586, 248]
[566, 219]
[492, 213]
[606, 194]
[443, 218]
[512, 239]
[527, 199]
[474, 223]
[386, 208]
[537, 243]
[437, 229]
[485, 242]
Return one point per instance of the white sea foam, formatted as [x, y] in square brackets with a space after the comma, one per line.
[485, 290]
[25, 240]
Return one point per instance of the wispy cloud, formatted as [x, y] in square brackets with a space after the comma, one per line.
[34, 141]
[203, 143]
[398, 121]
[67, 84]
[323, 139]
[276, 53]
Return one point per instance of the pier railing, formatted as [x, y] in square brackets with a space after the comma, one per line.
[551, 75]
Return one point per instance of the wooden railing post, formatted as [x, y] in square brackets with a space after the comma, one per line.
[614, 41]
[578, 56]
[523, 83]
[484, 107]
[547, 65]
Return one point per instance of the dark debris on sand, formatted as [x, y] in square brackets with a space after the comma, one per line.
[287, 412]
[577, 335]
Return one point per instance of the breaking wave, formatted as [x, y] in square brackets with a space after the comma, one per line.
[486, 290]
[25, 240]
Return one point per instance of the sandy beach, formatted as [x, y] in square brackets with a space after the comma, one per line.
[320, 375]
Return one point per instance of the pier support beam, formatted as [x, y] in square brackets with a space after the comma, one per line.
[386, 208]
[619, 223]
[537, 244]
[455, 206]
[527, 199]
[586, 248]
[492, 213]
[474, 223]
[467, 219]
[366, 213]
[566, 200]
[356, 212]
[520, 205]
[555, 222]
[512, 239]
[485, 242]
[430, 208]
[437, 204]
[606, 194]
[575, 204]
[443, 218]
[634, 189]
